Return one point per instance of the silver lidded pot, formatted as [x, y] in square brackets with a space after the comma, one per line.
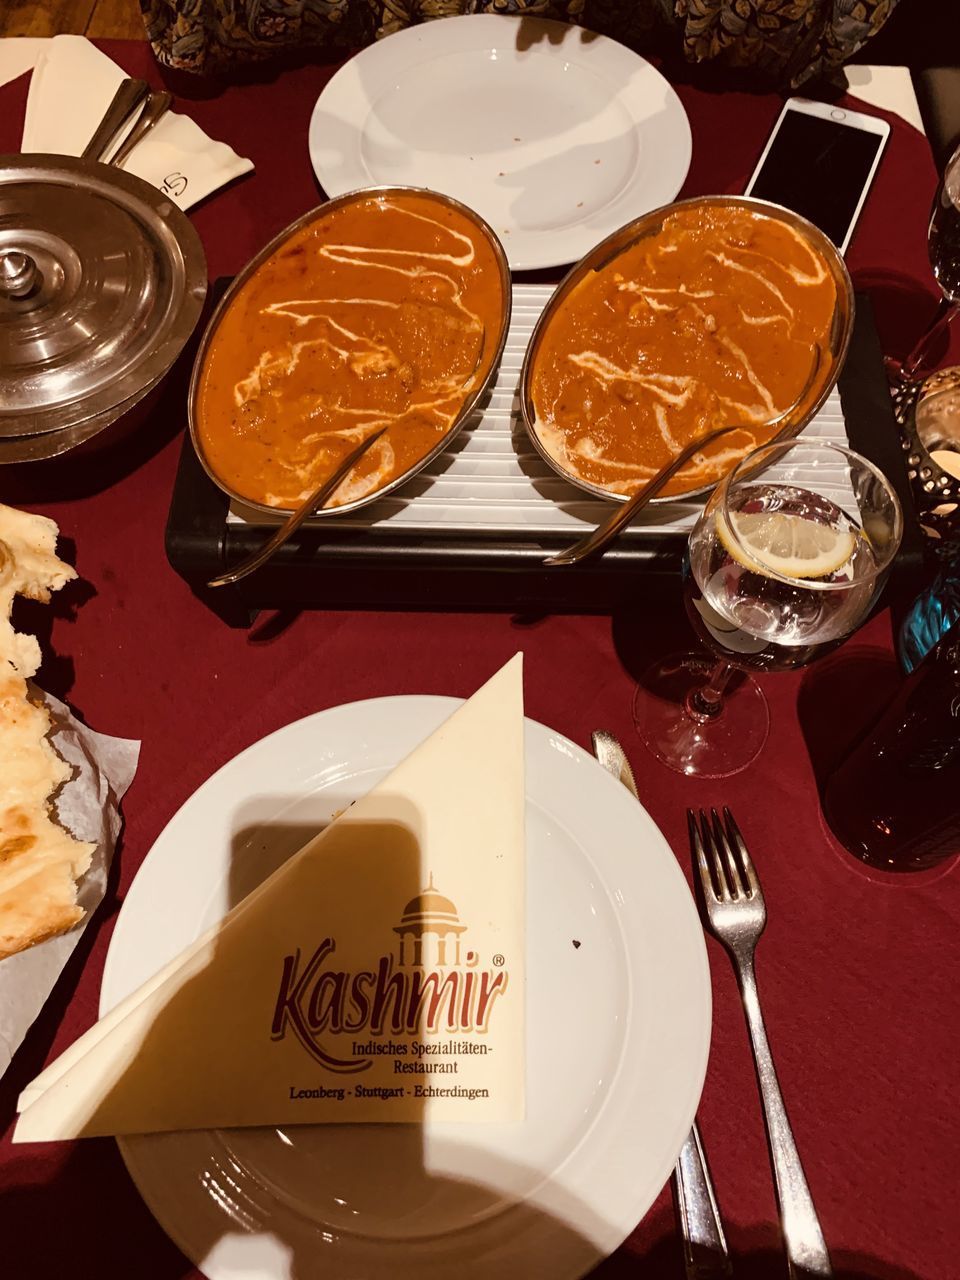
[102, 281]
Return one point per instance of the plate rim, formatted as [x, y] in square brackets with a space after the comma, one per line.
[676, 118]
[438, 707]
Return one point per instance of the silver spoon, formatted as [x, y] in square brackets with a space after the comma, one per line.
[296, 519]
[133, 99]
[129, 99]
[606, 532]
[158, 104]
[705, 1254]
[621, 517]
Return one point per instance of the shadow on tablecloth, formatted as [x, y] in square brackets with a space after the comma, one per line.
[73, 1210]
[101, 1219]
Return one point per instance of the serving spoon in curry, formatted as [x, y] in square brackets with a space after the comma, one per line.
[296, 518]
[593, 543]
[605, 533]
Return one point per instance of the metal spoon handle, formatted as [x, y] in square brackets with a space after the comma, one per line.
[601, 536]
[606, 532]
[705, 1255]
[704, 1245]
[158, 104]
[291, 525]
[128, 99]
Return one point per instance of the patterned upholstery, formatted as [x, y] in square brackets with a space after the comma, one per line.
[782, 41]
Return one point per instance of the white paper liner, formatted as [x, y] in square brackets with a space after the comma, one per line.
[88, 805]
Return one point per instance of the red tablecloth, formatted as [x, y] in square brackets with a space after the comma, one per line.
[857, 971]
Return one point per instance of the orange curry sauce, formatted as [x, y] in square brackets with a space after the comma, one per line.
[717, 319]
[384, 311]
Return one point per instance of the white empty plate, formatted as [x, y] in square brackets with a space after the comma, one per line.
[553, 134]
[618, 1028]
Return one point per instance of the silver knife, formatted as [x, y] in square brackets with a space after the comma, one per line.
[705, 1255]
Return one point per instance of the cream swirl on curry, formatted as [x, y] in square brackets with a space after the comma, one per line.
[722, 317]
[385, 311]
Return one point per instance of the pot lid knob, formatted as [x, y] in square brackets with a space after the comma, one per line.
[19, 274]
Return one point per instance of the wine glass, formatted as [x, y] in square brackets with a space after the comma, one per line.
[785, 561]
[943, 247]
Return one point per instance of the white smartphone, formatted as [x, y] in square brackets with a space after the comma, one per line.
[819, 161]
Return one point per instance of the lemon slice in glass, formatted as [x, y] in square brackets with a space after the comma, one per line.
[788, 545]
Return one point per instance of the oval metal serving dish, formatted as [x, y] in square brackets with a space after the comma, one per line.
[492, 350]
[649, 224]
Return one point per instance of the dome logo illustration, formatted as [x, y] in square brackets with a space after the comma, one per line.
[431, 984]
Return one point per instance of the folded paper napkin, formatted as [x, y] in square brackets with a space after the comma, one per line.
[72, 86]
[341, 988]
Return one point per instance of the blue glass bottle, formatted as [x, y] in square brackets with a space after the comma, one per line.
[931, 616]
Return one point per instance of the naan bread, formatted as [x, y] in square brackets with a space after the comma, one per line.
[44, 906]
[28, 567]
[40, 863]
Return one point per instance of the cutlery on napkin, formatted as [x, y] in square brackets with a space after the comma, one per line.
[71, 88]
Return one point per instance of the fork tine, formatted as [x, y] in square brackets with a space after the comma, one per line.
[726, 855]
[714, 858]
[696, 844]
[736, 839]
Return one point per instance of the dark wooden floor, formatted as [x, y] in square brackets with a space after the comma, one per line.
[119, 19]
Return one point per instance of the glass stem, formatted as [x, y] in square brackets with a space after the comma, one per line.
[915, 363]
[706, 703]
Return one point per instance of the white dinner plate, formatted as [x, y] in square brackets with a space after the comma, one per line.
[618, 1029]
[553, 134]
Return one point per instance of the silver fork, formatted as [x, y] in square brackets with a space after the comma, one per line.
[736, 913]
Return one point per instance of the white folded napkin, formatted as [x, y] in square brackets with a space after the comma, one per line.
[71, 88]
[343, 985]
[19, 54]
